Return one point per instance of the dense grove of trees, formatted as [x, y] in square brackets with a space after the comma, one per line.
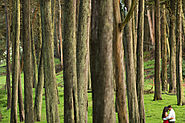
[99, 43]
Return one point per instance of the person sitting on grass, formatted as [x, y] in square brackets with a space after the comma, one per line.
[171, 115]
[165, 115]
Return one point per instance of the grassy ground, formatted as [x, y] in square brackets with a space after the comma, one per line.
[153, 109]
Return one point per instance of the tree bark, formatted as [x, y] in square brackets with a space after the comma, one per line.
[69, 53]
[34, 58]
[39, 90]
[164, 49]
[119, 66]
[131, 75]
[172, 84]
[157, 79]
[28, 76]
[8, 56]
[180, 92]
[20, 97]
[15, 60]
[48, 61]
[151, 27]
[140, 61]
[83, 58]
[60, 32]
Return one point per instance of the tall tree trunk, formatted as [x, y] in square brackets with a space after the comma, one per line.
[105, 109]
[180, 92]
[15, 60]
[157, 79]
[172, 85]
[94, 52]
[140, 61]
[20, 97]
[151, 27]
[60, 32]
[69, 53]
[8, 56]
[131, 74]
[28, 76]
[34, 58]
[164, 49]
[119, 66]
[39, 89]
[83, 57]
[48, 61]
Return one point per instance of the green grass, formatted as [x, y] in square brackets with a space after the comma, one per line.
[153, 109]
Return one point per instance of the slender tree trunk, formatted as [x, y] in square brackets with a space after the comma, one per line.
[48, 61]
[172, 84]
[157, 79]
[131, 75]
[164, 49]
[69, 53]
[94, 52]
[39, 89]
[34, 58]
[8, 56]
[15, 60]
[20, 97]
[151, 27]
[140, 61]
[83, 57]
[119, 66]
[180, 92]
[28, 76]
[60, 32]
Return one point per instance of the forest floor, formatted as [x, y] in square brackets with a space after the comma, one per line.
[153, 109]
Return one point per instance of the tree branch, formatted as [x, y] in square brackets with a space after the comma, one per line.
[129, 15]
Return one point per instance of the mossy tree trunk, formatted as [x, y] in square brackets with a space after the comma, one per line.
[140, 61]
[180, 92]
[28, 76]
[69, 53]
[164, 49]
[131, 74]
[121, 102]
[48, 61]
[172, 84]
[157, 78]
[83, 58]
[15, 60]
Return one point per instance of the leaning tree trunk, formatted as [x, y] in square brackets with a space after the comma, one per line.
[48, 60]
[157, 80]
[164, 50]
[140, 61]
[83, 58]
[172, 83]
[15, 60]
[119, 66]
[131, 74]
[69, 53]
[8, 56]
[28, 83]
[180, 92]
